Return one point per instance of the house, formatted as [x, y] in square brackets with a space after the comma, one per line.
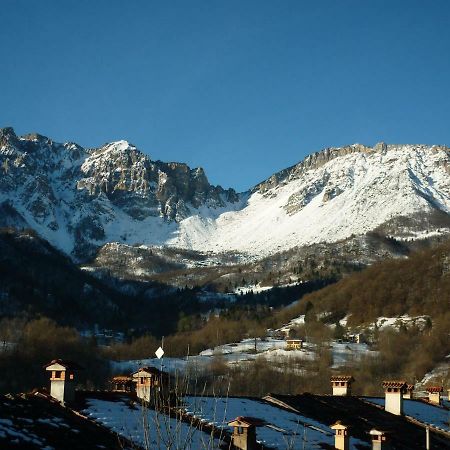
[342, 384]
[122, 383]
[434, 394]
[149, 382]
[394, 391]
[294, 344]
[244, 432]
[62, 379]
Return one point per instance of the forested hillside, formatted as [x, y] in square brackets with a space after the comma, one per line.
[416, 285]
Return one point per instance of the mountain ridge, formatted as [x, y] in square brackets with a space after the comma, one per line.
[80, 199]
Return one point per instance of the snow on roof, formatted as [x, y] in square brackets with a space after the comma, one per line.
[282, 429]
[421, 411]
[146, 427]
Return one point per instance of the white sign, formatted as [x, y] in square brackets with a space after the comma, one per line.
[159, 353]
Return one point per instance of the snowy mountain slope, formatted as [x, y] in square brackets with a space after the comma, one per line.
[350, 194]
[79, 199]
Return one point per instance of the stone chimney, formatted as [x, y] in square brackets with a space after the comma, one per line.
[434, 394]
[380, 440]
[62, 379]
[409, 391]
[244, 432]
[342, 384]
[150, 383]
[394, 391]
[341, 438]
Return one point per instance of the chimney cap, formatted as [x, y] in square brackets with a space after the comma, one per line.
[245, 421]
[375, 432]
[338, 425]
[394, 384]
[433, 389]
[68, 365]
[346, 378]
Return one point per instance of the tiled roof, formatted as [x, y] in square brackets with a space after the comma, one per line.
[434, 389]
[361, 417]
[347, 378]
[394, 384]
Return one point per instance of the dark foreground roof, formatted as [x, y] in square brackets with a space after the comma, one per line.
[361, 416]
[31, 422]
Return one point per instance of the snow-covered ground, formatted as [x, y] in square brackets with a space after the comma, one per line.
[426, 413]
[237, 353]
[440, 372]
[349, 353]
[146, 427]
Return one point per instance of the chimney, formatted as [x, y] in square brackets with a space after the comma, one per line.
[434, 394]
[342, 384]
[62, 379]
[409, 391]
[244, 432]
[341, 438]
[380, 440]
[394, 391]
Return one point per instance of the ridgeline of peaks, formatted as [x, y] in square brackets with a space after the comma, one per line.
[79, 199]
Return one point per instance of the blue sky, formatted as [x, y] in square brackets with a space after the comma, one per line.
[240, 88]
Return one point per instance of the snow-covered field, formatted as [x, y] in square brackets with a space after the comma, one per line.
[237, 353]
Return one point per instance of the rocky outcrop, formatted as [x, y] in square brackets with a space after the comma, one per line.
[71, 190]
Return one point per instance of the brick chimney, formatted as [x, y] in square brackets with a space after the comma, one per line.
[434, 394]
[62, 379]
[380, 440]
[342, 384]
[394, 391]
[409, 391]
[341, 438]
[244, 432]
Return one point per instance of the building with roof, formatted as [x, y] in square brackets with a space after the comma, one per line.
[122, 383]
[294, 344]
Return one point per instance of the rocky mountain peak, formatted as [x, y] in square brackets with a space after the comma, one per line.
[8, 137]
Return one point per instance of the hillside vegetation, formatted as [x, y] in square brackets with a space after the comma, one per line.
[417, 285]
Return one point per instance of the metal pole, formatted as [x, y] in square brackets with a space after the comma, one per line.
[427, 438]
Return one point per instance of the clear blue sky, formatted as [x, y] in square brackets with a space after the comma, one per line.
[241, 88]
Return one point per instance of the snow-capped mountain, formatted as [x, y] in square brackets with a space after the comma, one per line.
[79, 199]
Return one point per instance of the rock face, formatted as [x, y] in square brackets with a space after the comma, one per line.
[80, 199]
